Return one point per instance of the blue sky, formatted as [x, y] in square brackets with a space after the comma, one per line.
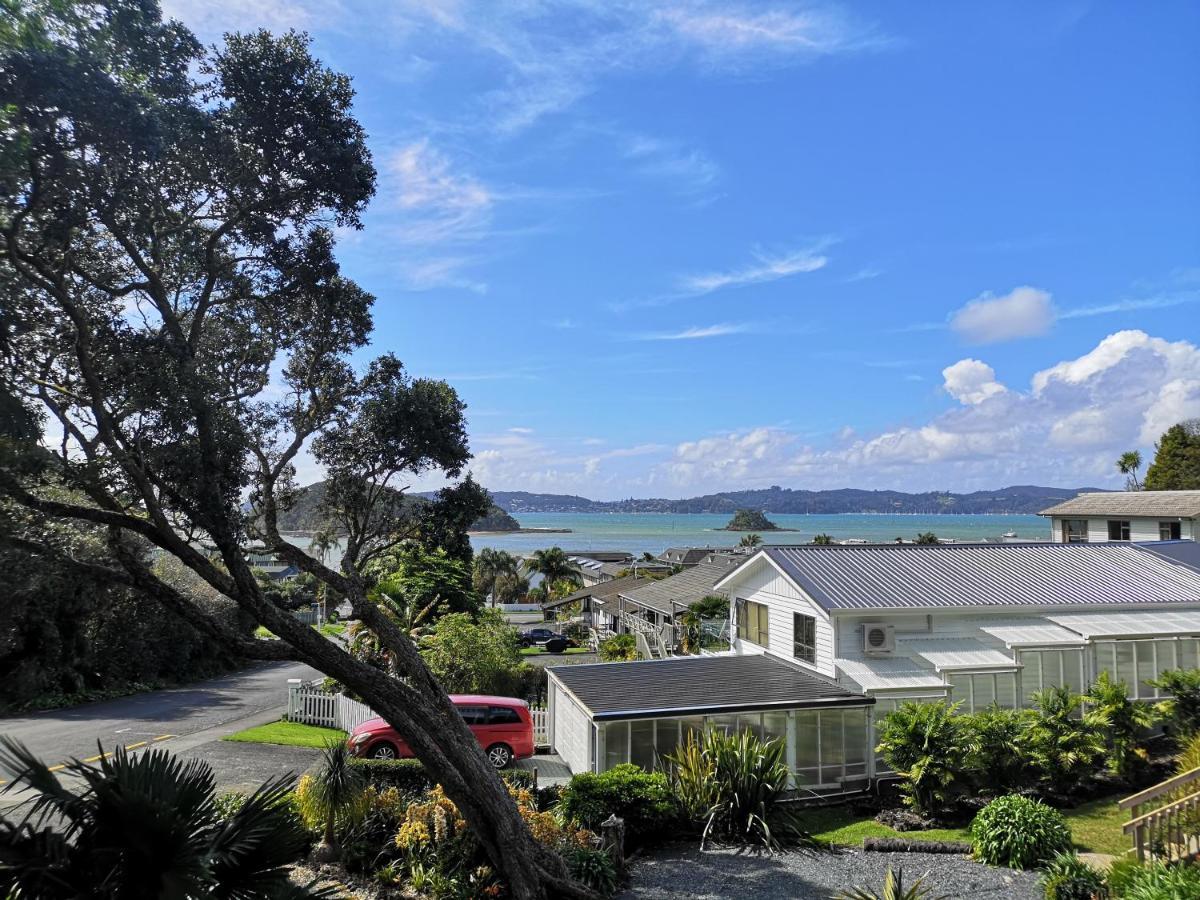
[663, 249]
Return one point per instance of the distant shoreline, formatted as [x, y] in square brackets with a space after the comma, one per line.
[527, 531]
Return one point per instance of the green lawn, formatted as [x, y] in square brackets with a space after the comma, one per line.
[292, 734]
[1095, 826]
[332, 629]
[538, 651]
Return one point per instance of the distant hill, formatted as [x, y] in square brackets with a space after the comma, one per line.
[306, 515]
[750, 520]
[1017, 499]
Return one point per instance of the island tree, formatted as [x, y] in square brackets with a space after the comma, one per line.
[175, 317]
[750, 520]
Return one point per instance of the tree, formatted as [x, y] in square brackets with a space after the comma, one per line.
[492, 565]
[469, 657]
[1061, 745]
[1128, 464]
[553, 565]
[1176, 465]
[170, 840]
[1121, 723]
[822, 540]
[750, 540]
[335, 787]
[750, 520]
[174, 309]
[927, 538]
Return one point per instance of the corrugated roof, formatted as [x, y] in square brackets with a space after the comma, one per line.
[1034, 634]
[958, 653]
[1185, 553]
[695, 685]
[910, 576]
[1175, 504]
[889, 673]
[685, 588]
[1131, 624]
[601, 590]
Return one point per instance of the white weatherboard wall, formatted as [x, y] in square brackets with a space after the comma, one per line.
[1144, 528]
[761, 582]
[572, 728]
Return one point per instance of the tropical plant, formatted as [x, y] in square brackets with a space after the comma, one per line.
[925, 743]
[553, 565]
[490, 567]
[1120, 722]
[1128, 464]
[1154, 881]
[1181, 709]
[1067, 877]
[746, 781]
[619, 648]
[928, 537]
[145, 825]
[750, 540]
[893, 889]
[643, 799]
[337, 791]
[1176, 465]
[474, 657]
[511, 588]
[1019, 832]
[714, 607]
[997, 755]
[692, 776]
[594, 868]
[1062, 746]
[823, 540]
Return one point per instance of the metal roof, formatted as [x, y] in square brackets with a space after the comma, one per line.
[1153, 623]
[958, 653]
[685, 588]
[889, 673]
[1034, 634]
[1172, 504]
[599, 591]
[910, 576]
[1184, 552]
[698, 685]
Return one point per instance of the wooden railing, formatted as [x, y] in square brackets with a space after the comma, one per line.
[1171, 830]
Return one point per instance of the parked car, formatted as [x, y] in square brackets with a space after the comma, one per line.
[538, 636]
[502, 725]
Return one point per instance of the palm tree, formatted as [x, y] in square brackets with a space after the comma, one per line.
[145, 826]
[750, 540]
[553, 565]
[1128, 464]
[927, 537]
[822, 540]
[490, 566]
[322, 541]
[336, 787]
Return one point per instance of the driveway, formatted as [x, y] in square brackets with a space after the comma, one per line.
[180, 719]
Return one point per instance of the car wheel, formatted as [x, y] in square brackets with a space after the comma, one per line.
[383, 750]
[499, 755]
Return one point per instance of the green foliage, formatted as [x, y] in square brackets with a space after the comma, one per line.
[1063, 747]
[145, 825]
[750, 540]
[1181, 710]
[495, 519]
[927, 744]
[338, 790]
[750, 520]
[1067, 877]
[643, 799]
[1127, 880]
[593, 868]
[711, 609]
[490, 568]
[228, 803]
[1019, 832]
[619, 648]
[1176, 465]
[928, 537]
[1121, 722]
[997, 754]
[553, 565]
[475, 657]
[420, 578]
[822, 540]
[1128, 464]
[410, 777]
[893, 889]
[743, 781]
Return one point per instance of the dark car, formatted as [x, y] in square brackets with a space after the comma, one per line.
[538, 636]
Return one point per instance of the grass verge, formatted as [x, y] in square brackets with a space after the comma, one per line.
[290, 734]
[538, 651]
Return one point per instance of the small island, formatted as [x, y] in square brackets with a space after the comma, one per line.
[499, 521]
[751, 520]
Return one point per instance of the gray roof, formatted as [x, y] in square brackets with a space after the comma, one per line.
[686, 556]
[599, 591]
[613, 569]
[910, 576]
[685, 588]
[695, 685]
[1173, 504]
[1184, 552]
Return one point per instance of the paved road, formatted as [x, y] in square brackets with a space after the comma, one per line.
[199, 710]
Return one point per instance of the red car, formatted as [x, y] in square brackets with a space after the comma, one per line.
[502, 725]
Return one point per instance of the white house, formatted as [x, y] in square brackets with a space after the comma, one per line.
[1126, 516]
[843, 633]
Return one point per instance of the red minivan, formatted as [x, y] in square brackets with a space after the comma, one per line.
[502, 725]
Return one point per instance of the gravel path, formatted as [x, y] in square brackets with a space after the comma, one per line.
[686, 872]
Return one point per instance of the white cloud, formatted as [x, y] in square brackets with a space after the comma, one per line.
[688, 170]
[213, 18]
[1129, 305]
[970, 381]
[728, 33]
[444, 204]
[766, 267]
[1023, 312]
[697, 332]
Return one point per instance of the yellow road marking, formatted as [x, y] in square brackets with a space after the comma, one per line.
[135, 746]
[58, 767]
[163, 737]
[98, 758]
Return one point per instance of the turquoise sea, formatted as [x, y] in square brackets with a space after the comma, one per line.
[654, 532]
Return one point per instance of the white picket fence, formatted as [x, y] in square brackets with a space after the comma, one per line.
[309, 703]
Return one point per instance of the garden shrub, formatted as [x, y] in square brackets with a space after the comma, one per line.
[997, 759]
[228, 803]
[1019, 832]
[926, 744]
[1120, 722]
[619, 648]
[1128, 880]
[893, 889]
[593, 868]
[1181, 710]
[643, 799]
[1065, 749]
[1067, 877]
[410, 778]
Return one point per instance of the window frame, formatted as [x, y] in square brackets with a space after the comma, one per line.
[1173, 531]
[810, 647]
[762, 622]
[1124, 530]
[1078, 535]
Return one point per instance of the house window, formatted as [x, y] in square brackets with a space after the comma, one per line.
[1170, 531]
[1075, 531]
[804, 638]
[978, 691]
[752, 622]
[1118, 529]
[1041, 669]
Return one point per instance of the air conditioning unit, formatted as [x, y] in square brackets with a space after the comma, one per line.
[878, 639]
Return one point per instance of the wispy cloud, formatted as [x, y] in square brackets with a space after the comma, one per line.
[441, 203]
[1121, 306]
[696, 333]
[688, 171]
[766, 267]
[866, 274]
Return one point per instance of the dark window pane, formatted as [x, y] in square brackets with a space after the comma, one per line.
[473, 715]
[504, 715]
[1118, 529]
[1169, 531]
